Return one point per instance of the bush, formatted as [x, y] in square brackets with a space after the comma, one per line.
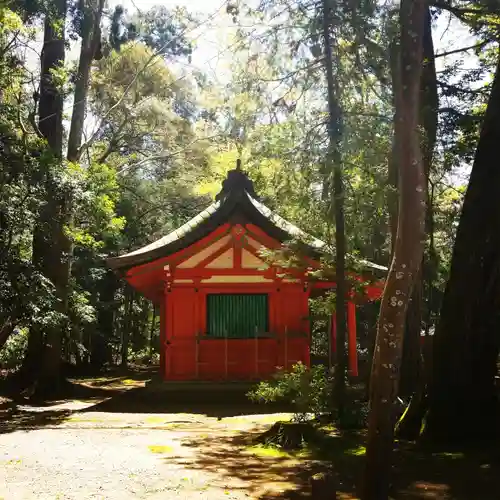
[307, 389]
[12, 353]
[143, 357]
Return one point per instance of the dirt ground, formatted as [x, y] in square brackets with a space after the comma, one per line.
[110, 441]
[114, 445]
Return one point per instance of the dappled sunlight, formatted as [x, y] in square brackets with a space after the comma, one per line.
[233, 459]
[423, 490]
[213, 450]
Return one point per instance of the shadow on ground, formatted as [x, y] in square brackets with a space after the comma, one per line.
[125, 393]
[22, 413]
[458, 475]
[267, 474]
[418, 474]
[217, 403]
[15, 417]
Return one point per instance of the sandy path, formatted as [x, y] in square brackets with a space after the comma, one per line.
[98, 455]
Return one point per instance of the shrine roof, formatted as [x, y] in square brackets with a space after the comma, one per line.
[237, 202]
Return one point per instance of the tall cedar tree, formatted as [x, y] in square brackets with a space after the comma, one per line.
[334, 166]
[463, 401]
[44, 345]
[429, 103]
[52, 248]
[407, 257]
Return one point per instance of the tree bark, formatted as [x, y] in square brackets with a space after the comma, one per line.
[43, 359]
[406, 260]
[463, 401]
[100, 350]
[52, 248]
[127, 323]
[90, 41]
[334, 165]
[91, 11]
[50, 109]
[6, 331]
[393, 170]
[429, 104]
[410, 359]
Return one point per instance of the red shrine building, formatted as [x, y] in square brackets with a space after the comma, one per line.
[226, 311]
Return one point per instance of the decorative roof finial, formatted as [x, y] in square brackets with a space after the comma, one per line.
[236, 182]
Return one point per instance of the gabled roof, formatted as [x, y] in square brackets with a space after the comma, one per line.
[237, 202]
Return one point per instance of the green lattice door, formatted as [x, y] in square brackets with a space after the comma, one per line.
[237, 315]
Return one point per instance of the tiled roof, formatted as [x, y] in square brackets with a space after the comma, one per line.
[177, 234]
[236, 198]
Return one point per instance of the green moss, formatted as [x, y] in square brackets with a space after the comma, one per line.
[12, 462]
[129, 381]
[261, 450]
[450, 455]
[104, 420]
[155, 420]
[356, 452]
[268, 451]
[328, 429]
[160, 449]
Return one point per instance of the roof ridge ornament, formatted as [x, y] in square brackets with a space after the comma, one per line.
[237, 181]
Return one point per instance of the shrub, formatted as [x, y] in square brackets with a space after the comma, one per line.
[143, 357]
[307, 389]
[12, 353]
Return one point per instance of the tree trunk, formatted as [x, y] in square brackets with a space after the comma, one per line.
[410, 360]
[5, 332]
[334, 164]
[43, 359]
[127, 323]
[429, 103]
[100, 350]
[406, 260]
[50, 109]
[463, 404]
[392, 174]
[91, 34]
[429, 99]
[50, 370]
[393, 170]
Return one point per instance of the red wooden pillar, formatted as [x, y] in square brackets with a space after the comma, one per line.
[163, 326]
[168, 329]
[307, 329]
[352, 343]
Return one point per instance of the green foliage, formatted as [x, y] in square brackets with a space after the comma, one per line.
[160, 141]
[143, 357]
[159, 29]
[307, 389]
[11, 356]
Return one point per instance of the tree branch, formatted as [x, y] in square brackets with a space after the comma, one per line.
[459, 12]
[463, 49]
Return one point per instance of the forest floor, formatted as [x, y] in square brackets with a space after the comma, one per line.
[109, 441]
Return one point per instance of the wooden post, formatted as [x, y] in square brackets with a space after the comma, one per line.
[256, 354]
[286, 347]
[197, 355]
[163, 331]
[225, 355]
[352, 343]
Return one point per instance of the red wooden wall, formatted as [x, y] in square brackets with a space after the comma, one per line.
[189, 357]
